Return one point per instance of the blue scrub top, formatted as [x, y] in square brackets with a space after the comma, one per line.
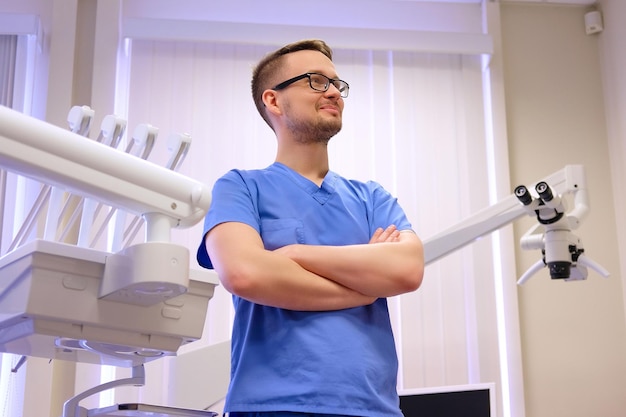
[333, 362]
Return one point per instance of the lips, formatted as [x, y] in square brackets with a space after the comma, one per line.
[331, 108]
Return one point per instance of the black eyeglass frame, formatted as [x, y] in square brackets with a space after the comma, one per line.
[343, 87]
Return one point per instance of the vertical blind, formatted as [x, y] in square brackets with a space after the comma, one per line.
[11, 383]
[8, 53]
[413, 122]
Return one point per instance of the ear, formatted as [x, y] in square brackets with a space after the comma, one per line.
[270, 99]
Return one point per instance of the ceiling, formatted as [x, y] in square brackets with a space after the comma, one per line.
[574, 2]
[581, 2]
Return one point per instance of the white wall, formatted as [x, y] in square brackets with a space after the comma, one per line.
[613, 66]
[573, 334]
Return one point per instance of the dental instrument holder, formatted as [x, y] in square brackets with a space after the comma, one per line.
[123, 308]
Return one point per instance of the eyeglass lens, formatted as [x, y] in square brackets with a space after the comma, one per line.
[322, 83]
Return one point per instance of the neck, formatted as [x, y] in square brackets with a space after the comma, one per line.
[308, 160]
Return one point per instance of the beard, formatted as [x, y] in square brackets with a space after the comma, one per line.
[319, 130]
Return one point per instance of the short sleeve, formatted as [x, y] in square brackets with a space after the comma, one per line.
[231, 202]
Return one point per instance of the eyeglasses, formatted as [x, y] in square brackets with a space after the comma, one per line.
[318, 82]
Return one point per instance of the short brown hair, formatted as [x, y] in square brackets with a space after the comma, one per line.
[263, 74]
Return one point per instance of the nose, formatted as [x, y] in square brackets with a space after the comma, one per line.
[333, 91]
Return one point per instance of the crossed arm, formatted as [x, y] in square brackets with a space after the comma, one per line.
[313, 277]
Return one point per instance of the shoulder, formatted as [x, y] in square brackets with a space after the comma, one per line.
[239, 177]
[252, 174]
[369, 188]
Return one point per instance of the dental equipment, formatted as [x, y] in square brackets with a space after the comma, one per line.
[562, 251]
[62, 301]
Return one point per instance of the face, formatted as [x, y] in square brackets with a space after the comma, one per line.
[309, 115]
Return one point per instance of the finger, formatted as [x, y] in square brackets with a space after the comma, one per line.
[376, 235]
[387, 234]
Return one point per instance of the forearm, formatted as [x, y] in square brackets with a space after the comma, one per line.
[279, 282]
[269, 278]
[378, 270]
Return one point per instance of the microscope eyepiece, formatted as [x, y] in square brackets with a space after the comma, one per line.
[544, 191]
[522, 194]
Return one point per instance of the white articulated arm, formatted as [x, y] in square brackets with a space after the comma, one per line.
[71, 407]
[470, 229]
[562, 251]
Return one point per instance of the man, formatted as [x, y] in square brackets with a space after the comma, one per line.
[309, 257]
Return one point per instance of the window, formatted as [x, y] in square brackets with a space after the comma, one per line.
[16, 77]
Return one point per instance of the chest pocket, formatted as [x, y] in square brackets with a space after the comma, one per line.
[277, 233]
